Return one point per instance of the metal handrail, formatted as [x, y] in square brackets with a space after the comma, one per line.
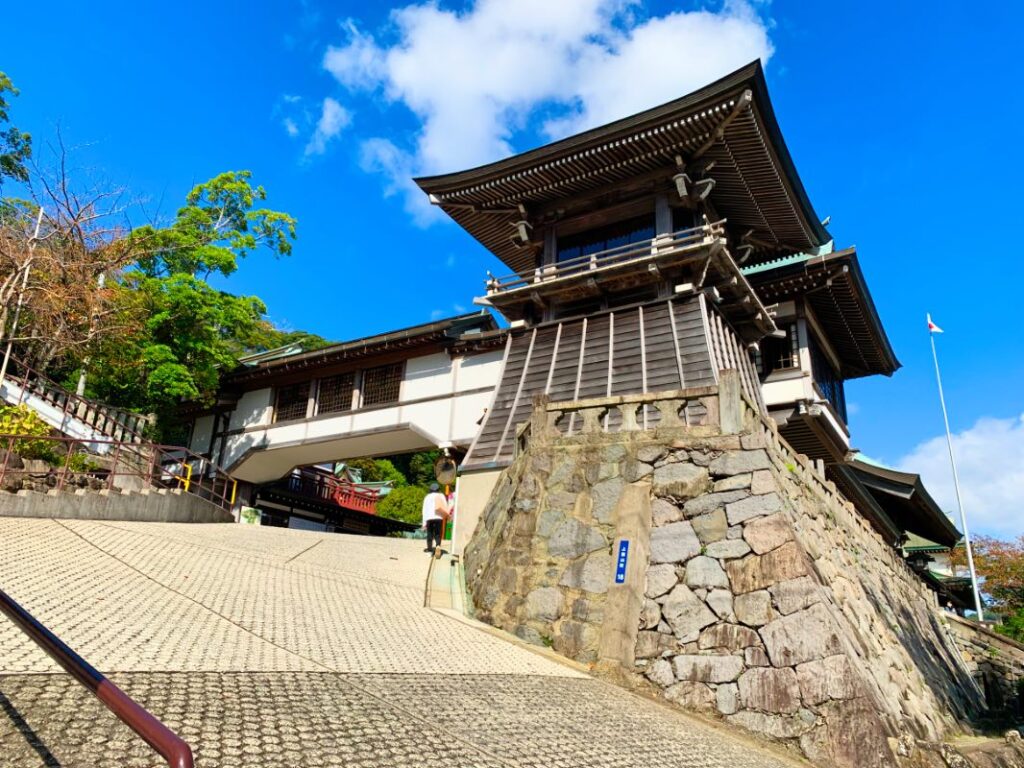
[168, 744]
[623, 254]
[106, 419]
[158, 466]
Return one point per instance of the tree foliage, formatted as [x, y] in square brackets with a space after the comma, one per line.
[379, 471]
[405, 504]
[15, 145]
[1000, 566]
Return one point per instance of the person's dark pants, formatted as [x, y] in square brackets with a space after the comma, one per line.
[434, 534]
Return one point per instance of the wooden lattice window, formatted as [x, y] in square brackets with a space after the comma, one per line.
[778, 354]
[382, 384]
[335, 393]
[292, 401]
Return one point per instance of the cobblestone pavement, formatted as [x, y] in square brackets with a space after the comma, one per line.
[269, 647]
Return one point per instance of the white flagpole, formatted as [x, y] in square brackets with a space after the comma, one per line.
[956, 480]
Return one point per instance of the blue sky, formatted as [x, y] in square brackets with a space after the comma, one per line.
[902, 125]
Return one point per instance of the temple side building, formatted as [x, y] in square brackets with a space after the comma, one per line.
[646, 255]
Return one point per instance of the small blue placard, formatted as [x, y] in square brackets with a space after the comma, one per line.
[620, 564]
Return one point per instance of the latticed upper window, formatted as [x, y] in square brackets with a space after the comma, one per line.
[778, 354]
[292, 401]
[382, 384]
[335, 393]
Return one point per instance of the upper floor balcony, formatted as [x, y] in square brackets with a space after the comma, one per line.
[645, 269]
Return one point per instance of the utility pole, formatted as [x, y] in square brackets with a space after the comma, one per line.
[21, 297]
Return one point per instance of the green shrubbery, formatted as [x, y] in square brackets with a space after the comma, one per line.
[405, 504]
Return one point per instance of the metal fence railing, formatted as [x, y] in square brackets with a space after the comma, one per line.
[171, 747]
[74, 463]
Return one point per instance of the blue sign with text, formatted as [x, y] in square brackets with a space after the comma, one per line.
[620, 565]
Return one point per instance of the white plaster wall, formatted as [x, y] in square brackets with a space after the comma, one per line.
[779, 391]
[255, 407]
[478, 371]
[428, 376]
[467, 412]
[202, 432]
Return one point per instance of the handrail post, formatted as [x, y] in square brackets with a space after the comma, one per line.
[62, 479]
[113, 467]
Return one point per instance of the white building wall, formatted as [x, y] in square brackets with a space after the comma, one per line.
[255, 407]
[428, 376]
[202, 433]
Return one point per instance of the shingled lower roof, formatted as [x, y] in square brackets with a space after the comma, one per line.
[731, 121]
[834, 287]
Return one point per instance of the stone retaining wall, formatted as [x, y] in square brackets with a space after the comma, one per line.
[760, 595]
[997, 664]
[155, 506]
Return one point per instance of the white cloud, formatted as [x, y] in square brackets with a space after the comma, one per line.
[290, 127]
[333, 118]
[990, 460]
[476, 80]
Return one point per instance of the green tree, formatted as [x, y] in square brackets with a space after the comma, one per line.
[15, 145]
[405, 504]
[421, 467]
[379, 471]
[190, 332]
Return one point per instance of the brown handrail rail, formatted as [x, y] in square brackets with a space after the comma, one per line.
[168, 744]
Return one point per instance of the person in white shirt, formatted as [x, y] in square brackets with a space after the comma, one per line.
[435, 513]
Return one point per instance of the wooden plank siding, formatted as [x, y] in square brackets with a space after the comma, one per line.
[657, 347]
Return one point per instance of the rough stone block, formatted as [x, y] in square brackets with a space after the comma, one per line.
[664, 512]
[720, 601]
[767, 533]
[572, 539]
[650, 614]
[755, 657]
[686, 614]
[544, 604]
[829, 678]
[739, 462]
[690, 695]
[711, 501]
[732, 637]
[650, 645]
[660, 579]
[605, 496]
[673, 543]
[728, 549]
[660, 673]
[576, 640]
[733, 531]
[703, 571]
[680, 480]
[853, 736]
[710, 527]
[650, 453]
[529, 634]
[801, 637]
[775, 691]
[752, 506]
[753, 608]
[727, 698]
[635, 470]
[592, 574]
[734, 483]
[775, 726]
[762, 482]
[709, 669]
[795, 594]
[759, 571]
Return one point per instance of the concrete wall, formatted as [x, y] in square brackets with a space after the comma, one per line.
[144, 506]
[766, 599]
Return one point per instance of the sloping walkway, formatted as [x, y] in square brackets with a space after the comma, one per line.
[270, 647]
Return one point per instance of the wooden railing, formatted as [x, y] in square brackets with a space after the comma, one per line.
[115, 423]
[171, 747]
[661, 245]
[144, 465]
[326, 487]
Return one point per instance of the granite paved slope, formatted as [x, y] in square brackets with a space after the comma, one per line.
[269, 647]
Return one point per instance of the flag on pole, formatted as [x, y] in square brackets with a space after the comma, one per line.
[932, 327]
